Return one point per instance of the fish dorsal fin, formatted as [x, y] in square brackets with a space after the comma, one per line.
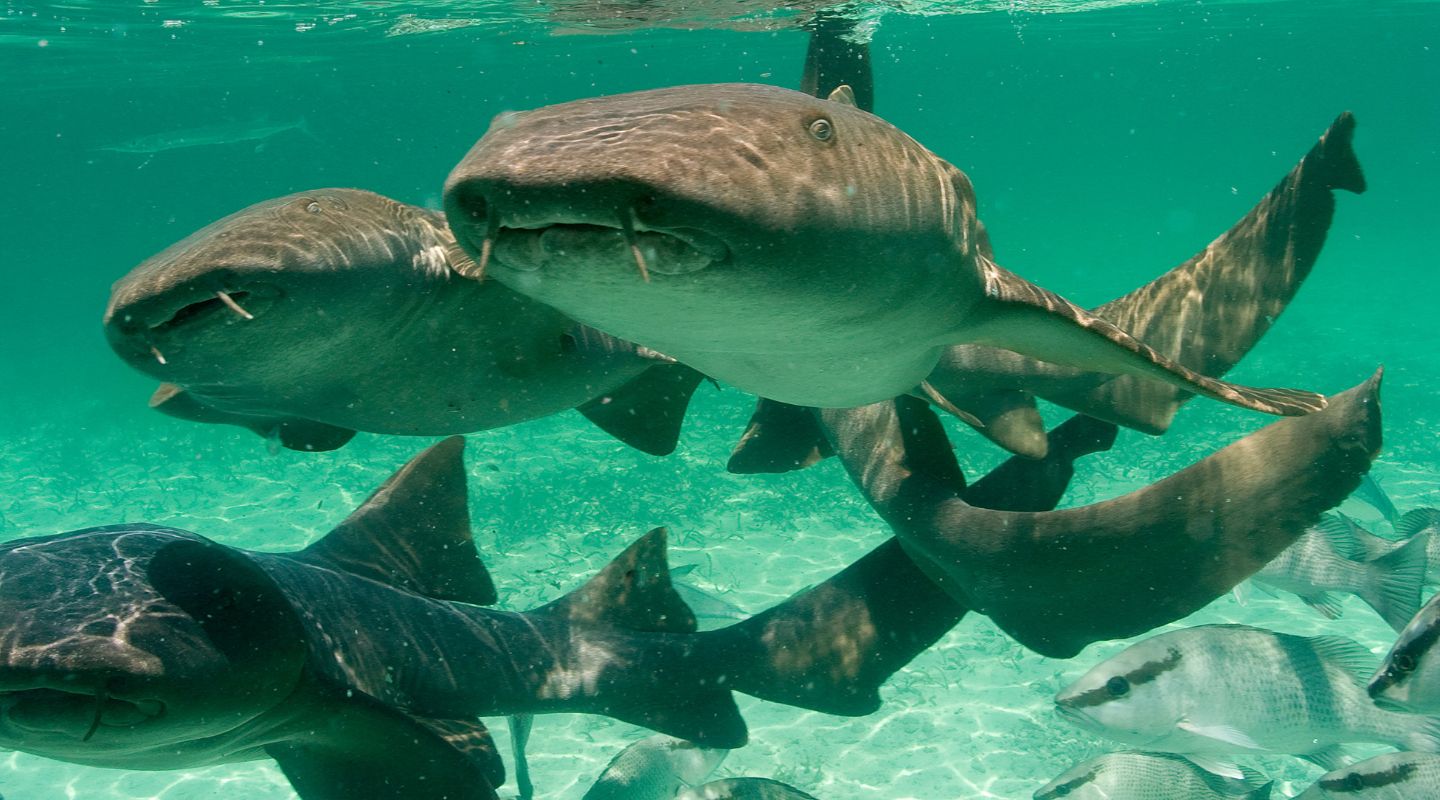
[1416, 521]
[1342, 534]
[1349, 655]
[414, 532]
[648, 411]
[632, 592]
[843, 94]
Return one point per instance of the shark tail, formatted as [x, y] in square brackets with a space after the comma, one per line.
[1334, 157]
[686, 697]
[1398, 577]
[830, 647]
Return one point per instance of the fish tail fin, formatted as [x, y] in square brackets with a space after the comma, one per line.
[633, 592]
[830, 647]
[1397, 580]
[1334, 157]
[1424, 736]
[303, 126]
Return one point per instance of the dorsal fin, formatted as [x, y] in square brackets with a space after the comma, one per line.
[414, 532]
[632, 592]
[843, 94]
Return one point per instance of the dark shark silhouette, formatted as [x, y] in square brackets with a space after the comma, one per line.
[362, 663]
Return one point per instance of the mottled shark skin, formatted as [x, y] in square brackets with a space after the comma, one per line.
[1205, 314]
[1057, 581]
[798, 248]
[362, 663]
[318, 314]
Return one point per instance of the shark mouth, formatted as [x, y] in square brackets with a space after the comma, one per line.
[79, 713]
[147, 324]
[539, 244]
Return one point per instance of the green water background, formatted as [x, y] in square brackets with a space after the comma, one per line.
[1105, 147]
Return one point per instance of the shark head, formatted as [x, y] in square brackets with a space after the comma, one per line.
[700, 205]
[273, 317]
[115, 653]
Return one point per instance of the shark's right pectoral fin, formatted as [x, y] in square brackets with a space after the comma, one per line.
[291, 432]
[353, 747]
[648, 411]
[1018, 315]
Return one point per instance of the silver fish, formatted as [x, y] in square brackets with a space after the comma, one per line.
[1371, 493]
[707, 605]
[1393, 776]
[1329, 560]
[257, 131]
[744, 789]
[655, 768]
[1409, 678]
[1151, 776]
[1224, 689]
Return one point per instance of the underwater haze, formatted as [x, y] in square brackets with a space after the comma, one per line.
[1107, 142]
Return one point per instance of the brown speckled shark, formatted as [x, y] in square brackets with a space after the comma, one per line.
[798, 248]
[315, 315]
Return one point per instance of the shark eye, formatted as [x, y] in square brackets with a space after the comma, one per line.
[1354, 782]
[822, 129]
[1117, 686]
[1404, 662]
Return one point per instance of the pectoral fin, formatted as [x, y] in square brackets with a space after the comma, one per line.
[292, 433]
[357, 747]
[1032, 321]
[779, 438]
[647, 412]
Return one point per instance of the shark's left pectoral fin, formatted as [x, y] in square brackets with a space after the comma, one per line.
[1020, 316]
[357, 747]
[779, 438]
[291, 432]
[648, 411]
[414, 532]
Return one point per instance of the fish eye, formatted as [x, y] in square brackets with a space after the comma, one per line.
[1404, 662]
[1354, 782]
[1117, 686]
[313, 207]
[822, 129]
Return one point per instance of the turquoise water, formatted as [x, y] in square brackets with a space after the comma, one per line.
[1107, 142]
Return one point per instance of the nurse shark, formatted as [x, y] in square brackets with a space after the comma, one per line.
[362, 663]
[798, 248]
[311, 316]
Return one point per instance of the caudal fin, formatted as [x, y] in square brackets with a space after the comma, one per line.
[1396, 578]
[1208, 312]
